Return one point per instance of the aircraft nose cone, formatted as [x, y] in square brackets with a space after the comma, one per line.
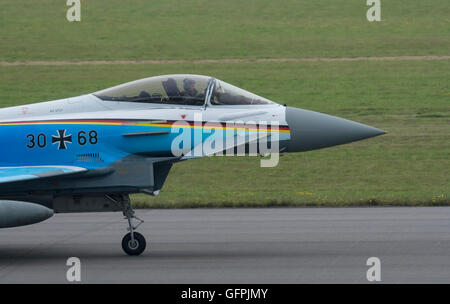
[311, 130]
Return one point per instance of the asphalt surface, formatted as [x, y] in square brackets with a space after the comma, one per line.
[283, 245]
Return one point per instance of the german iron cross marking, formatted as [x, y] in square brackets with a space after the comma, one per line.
[62, 139]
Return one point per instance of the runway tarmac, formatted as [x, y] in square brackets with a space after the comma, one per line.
[270, 245]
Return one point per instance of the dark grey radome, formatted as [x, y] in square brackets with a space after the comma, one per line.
[312, 130]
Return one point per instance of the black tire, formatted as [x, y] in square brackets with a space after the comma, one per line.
[133, 249]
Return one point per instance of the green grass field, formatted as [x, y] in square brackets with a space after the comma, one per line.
[409, 99]
[169, 29]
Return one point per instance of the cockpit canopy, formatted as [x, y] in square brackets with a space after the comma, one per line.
[182, 89]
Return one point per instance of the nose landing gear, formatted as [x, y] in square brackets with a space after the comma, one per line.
[133, 243]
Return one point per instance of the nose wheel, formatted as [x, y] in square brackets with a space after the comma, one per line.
[133, 243]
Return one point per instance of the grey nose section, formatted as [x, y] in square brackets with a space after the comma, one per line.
[311, 130]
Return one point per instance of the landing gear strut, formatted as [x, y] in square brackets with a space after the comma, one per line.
[133, 243]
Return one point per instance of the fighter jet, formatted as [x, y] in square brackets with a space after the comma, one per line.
[89, 153]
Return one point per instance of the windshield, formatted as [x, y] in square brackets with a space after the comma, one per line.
[170, 89]
[227, 94]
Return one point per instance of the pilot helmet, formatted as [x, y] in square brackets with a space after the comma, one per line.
[187, 82]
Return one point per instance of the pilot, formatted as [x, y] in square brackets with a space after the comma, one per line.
[189, 88]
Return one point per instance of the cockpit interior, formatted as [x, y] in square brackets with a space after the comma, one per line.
[181, 89]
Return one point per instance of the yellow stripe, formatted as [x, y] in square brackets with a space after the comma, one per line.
[137, 124]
